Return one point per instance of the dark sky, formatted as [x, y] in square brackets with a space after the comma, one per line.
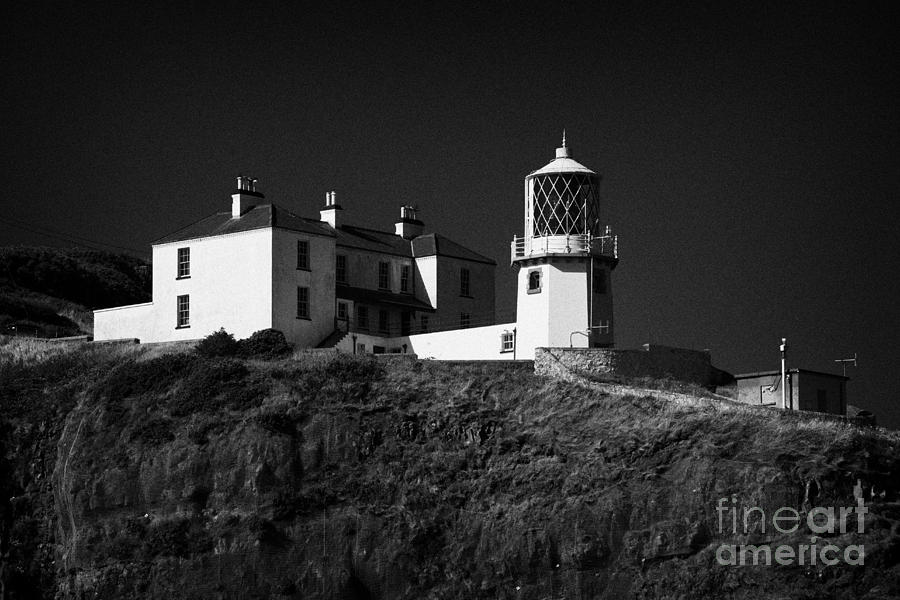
[749, 155]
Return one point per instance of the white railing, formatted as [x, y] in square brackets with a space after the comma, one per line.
[604, 245]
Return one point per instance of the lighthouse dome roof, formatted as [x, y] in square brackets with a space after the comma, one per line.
[563, 163]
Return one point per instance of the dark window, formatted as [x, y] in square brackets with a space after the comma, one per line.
[464, 289]
[360, 348]
[302, 302]
[342, 311]
[303, 255]
[384, 276]
[340, 268]
[404, 278]
[184, 263]
[405, 322]
[465, 320]
[534, 281]
[383, 323]
[362, 317]
[424, 323]
[377, 349]
[183, 315]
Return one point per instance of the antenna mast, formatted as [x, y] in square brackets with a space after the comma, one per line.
[844, 362]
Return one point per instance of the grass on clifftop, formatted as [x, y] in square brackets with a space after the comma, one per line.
[481, 477]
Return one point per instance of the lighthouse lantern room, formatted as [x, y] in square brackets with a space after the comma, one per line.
[564, 258]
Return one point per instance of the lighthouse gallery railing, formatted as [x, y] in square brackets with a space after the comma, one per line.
[605, 245]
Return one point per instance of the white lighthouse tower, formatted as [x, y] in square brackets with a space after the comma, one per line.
[564, 294]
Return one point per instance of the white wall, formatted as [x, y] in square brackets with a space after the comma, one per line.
[319, 279]
[230, 286]
[426, 280]
[132, 321]
[548, 318]
[477, 343]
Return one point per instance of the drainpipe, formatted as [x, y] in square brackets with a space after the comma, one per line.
[353, 337]
[783, 356]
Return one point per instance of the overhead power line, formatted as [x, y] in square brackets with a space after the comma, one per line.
[67, 237]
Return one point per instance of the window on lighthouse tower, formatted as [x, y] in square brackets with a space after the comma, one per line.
[534, 281]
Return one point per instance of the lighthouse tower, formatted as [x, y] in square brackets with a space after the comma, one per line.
[565, 260]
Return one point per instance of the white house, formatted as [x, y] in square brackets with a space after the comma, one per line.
[326, 283]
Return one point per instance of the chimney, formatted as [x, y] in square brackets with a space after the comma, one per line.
[244, 197]
[408, 226]
[329, 212]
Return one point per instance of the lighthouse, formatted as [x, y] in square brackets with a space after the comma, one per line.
[564, 259]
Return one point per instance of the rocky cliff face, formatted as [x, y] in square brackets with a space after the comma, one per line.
[173, 476]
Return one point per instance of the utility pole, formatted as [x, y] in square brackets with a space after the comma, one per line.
[783, 378]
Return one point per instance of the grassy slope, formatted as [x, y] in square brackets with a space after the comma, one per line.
[50, 292]
[173, 476]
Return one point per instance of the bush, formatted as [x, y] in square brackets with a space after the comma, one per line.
[219, 343]
[266, 343]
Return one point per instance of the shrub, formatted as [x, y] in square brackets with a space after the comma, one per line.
[266, 343]
[218, 343]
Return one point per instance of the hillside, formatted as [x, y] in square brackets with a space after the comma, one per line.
[128, 472]
[50, 292]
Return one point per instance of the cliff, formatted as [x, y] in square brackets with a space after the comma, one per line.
[129, 472]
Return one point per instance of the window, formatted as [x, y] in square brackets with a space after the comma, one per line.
[603, 327]
[183, 318]
[404, 279]
[599, 280]
[303, 254]
[302, 302]
[383, 323]
[534, 281]
[464, 289]
[360, 348]
[184, 263]
[342, 312]
[340, 268]
[362, 317]
[384, 276]
[396, 350]
[377, 349]
[424, 323]
[507, 341]
[465, 320]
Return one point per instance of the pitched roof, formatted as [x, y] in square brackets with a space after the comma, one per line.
[373, 240]
[348, 236]
[380, 297]
[258, 217]
[430, 244]
[433, 244]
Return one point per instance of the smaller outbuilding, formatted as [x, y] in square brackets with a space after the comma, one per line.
[803, 390]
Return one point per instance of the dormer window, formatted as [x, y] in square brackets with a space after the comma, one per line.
[184, 263]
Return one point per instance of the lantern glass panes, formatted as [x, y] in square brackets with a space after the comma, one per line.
[564, 204]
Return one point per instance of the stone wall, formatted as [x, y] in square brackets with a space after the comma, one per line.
[658, 362]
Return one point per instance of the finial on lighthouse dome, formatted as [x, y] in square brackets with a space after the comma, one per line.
[563, 151]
